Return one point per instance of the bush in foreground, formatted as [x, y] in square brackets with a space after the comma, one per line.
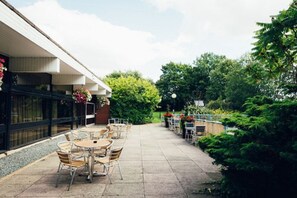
[260, 159]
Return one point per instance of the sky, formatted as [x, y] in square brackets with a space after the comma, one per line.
[143, 35]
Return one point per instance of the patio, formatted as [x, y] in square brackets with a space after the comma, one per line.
[155, 163]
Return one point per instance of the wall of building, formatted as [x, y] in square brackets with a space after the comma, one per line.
[102, 114]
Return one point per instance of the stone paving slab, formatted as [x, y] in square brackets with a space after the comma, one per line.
[155, 163]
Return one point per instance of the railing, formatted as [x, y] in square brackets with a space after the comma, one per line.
[117, 121]
[211, 122]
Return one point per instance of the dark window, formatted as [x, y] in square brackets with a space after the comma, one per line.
[26, 136]
[61, 127]
[28, 109]
[62, 109]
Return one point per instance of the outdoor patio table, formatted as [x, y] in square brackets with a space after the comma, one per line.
[90, 145]
[90, 131]
[118, 128]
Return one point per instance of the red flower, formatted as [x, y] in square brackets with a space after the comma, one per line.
[167, 114]
[82, 95]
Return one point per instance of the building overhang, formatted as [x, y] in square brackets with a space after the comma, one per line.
[32, 51]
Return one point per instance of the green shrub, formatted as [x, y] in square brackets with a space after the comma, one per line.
[260, 159]
[193, 109]
[218, 104]
[133, 98]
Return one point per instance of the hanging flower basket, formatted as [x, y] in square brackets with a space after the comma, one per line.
[81, 95]
[2, 69]
[103, 100]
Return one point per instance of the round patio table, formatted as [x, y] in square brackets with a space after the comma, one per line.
[90, 145]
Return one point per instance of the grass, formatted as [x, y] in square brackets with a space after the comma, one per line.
[157, 117]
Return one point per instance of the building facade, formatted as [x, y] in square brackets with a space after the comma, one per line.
[36, 97]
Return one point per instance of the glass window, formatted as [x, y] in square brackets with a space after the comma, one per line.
[90, 108]
[2, 108]
[79, 114]
[61, 127]
[1, 141]
[25, 136]
[62, 109]
[28, 109]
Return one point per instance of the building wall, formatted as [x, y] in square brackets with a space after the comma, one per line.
[103, 114]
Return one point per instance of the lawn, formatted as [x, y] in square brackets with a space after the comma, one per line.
[157, 117]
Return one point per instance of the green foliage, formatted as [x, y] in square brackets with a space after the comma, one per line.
[239, 85]
[199, 78]
[218, 104]
[118, 74]
[174, 80]
[193, 109]
[259, 160]
[218, 78]
[215, 79]
[276, 50]
[132, 98]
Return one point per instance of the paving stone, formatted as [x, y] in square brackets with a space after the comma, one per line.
[160, 178]
[163, 189]
[155, 163]
[44, 190]
[124, 189]
[185, 167]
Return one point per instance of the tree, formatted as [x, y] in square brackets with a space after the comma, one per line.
[208, 78]
[199, 77]
[276, 49]
[132, 98]
[118, 74]
[218, 78]
[174, 80]
[239, 86]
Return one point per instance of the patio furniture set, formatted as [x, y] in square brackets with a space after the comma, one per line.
[188, 129]
[88, 147]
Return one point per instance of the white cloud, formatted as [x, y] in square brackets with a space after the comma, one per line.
[219, 26]
[98, 44]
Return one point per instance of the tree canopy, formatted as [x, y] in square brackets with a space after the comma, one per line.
[133, 98]
[276, 50]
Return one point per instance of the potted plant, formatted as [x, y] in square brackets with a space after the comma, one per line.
[81, 95]
[166, 116]
[103, 100]
[183, 119]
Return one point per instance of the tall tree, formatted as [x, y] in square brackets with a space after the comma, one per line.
[276, 50]
[199, 78]
[174, 80]
[239, 86]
